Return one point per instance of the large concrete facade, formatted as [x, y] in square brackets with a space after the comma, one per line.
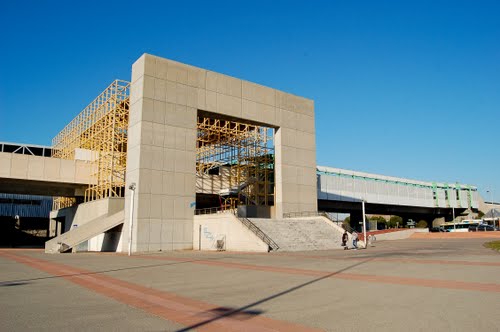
[164, 100]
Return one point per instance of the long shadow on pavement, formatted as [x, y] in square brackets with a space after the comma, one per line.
[227, 312]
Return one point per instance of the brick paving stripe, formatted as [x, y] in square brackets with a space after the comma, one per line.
[433, 283]
[194, 314]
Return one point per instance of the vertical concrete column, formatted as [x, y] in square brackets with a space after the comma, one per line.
[295, 148]
[161, 156]
[52, 227]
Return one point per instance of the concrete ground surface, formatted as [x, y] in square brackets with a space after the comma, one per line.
[415, 285]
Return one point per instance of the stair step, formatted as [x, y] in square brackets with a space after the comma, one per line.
[301, 234]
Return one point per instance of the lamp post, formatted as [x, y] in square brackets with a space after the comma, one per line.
[488, 194]
[364, 221]
[132, 194]
[453, 212]
[491, 203]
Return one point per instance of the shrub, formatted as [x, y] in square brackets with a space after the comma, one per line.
[422, 224]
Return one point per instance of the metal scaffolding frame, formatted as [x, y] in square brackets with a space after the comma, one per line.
[247, 150]
[101, 130]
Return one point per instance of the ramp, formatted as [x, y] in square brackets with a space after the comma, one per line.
[77, 235]
[301, 234]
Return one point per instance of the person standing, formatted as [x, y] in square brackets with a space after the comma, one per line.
[345, 238]
[355, 240]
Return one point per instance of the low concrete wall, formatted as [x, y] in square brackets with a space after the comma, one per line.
[224, 226]
[397, 234]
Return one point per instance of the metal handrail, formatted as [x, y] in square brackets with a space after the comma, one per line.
[347, 227]
[245, 221]
[302, 214]
[213, 210]
[260, 234]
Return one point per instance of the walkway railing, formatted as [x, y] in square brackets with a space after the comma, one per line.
[260, 234]
[303, 214]
[341, 224]
[347, 227]
[213, 210]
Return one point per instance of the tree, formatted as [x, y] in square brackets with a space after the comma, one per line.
[380, 221]
[395, 221]
[480, 215]
[346, 224]
[422, 224]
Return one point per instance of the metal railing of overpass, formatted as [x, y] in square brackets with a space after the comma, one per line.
[26, 149]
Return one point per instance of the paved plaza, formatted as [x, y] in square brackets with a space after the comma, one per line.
[415, 285]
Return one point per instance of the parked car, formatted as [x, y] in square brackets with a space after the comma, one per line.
[482, 228]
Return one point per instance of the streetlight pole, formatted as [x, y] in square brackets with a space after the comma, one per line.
[454, 224]
[489, 194]
[132, 194]
[364, 221]
[491, 202]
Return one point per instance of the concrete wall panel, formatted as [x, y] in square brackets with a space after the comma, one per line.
[258, 93]
[5, 164]
[36, 168]
[155, 226]
[166, 234]
[19, 167]
[224, 227]
[165, 97]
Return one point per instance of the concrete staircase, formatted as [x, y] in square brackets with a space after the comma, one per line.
[77, 235]
[302, 234]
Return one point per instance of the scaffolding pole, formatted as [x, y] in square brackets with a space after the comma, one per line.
[246, 150]
[101, 131]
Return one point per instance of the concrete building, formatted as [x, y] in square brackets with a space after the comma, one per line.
[180, 157]
[188, 135]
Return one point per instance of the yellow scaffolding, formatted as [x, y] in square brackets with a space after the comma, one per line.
[100, 131]
[247, 150]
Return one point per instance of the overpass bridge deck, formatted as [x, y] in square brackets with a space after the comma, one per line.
[37, 175]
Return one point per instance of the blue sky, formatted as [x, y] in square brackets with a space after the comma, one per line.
[401, 88]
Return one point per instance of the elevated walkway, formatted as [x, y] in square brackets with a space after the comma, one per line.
[38, 175]
[302, 234]
[77, 235]
[353, 186]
